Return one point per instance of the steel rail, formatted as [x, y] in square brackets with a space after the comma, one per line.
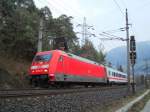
[47, 92]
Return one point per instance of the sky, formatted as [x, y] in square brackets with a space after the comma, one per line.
[105, 15]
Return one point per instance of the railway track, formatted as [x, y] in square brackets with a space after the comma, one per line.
[47, 92]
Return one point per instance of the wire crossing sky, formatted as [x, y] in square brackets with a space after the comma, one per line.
[105, 15]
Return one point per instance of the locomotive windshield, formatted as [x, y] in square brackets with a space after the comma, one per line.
[43, 58]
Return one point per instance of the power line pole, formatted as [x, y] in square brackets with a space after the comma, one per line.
[39, 47]
[84, 30]
[113, 37]
[44, 16]
[146, 67]
[146, 71]
[128, 49]
[85, 27]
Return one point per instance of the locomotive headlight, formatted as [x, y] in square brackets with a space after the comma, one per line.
[45, 66]
[34, 67]
[45, 70]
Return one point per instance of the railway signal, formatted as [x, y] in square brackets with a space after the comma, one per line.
[132, 44]
[133, 59]
[132, 50]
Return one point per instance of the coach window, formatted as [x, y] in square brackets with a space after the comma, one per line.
[60, 59]
[109, 73]
[114, 74]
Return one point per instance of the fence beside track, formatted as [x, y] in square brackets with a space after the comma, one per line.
[70, 102]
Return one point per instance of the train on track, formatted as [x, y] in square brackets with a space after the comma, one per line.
[59, 67]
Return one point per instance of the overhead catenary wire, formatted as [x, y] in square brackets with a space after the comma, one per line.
[54, 7]
[119, 7]
[51, 6]
[60, 10]
[111, 37]
[142, 5]
[114, 36]
[124, 4]
[115, 30]
[63, 9]
[68, 8]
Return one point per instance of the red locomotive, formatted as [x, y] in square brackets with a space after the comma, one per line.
[57, 66]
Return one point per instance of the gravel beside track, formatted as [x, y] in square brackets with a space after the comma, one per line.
[75, 101]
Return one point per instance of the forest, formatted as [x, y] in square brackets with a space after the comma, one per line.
[19, 29]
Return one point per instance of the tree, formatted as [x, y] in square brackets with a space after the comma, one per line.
[88, 51]
[101, 54]
[46, 15]
[19, 28]
[20, 21]
[62, 27]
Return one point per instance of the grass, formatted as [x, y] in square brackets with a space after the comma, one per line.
[116, 104]
[138, 106]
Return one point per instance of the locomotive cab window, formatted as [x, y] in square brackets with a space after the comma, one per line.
[42, 58]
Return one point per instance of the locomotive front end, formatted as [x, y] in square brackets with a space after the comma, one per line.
[40, 67]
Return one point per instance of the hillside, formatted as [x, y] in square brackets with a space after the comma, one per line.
[117, 56]
[13, 72]
[19, 31]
